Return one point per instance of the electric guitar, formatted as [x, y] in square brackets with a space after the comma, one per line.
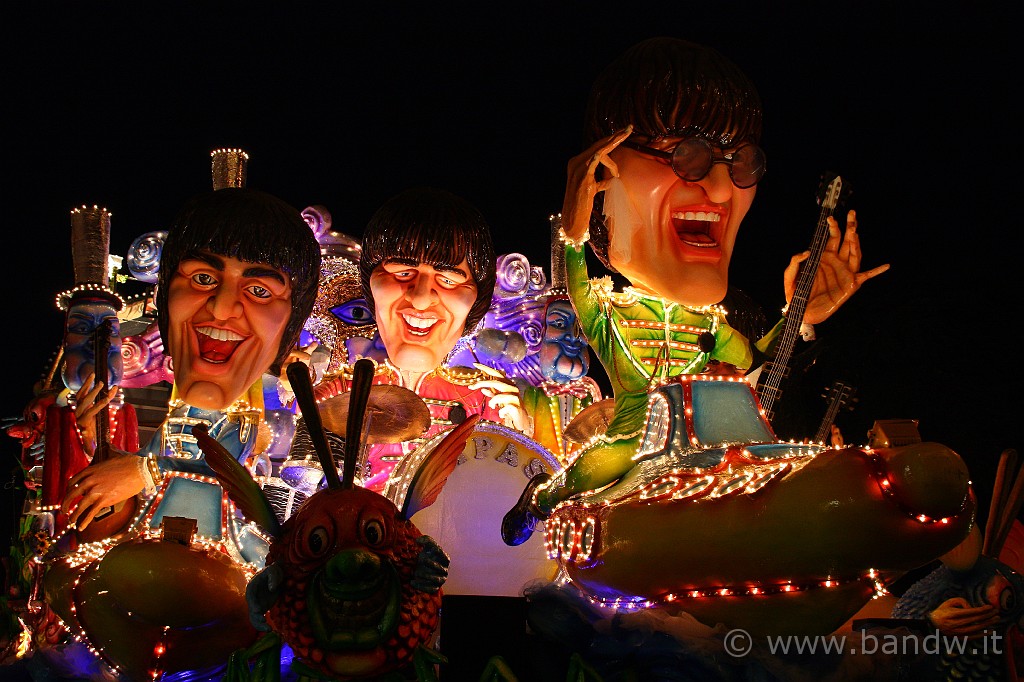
[773, 374]
[839, 395]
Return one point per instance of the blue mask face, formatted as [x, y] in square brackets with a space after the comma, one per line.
[84, 317]
[563, 353]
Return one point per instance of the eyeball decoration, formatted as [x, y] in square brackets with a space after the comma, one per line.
[144, 256]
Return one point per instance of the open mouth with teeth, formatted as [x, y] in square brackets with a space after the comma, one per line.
[354, 615]
[217, 345]
[419, 326]
[697, 228]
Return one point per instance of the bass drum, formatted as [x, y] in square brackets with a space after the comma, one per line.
[466, 518]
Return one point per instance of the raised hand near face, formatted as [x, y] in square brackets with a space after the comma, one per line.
[582, 184]
[90, 399]
[838, 275]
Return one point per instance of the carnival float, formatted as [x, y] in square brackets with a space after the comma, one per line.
[307, 522]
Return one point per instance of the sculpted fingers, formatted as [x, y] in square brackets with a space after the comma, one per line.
[502, 400]
[833, 236]
[74, 491]
[851, 221]
[94, 409]
[605, 147]
[488, 370]
[582, 184]
[495, 386]
[789, 275]
[86, 396]
[85, 512]
[873, 272]
[850, 250]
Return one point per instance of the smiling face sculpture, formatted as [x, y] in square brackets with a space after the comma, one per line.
[238, 276]
[238, 279]
[427, 270]
[227, 317]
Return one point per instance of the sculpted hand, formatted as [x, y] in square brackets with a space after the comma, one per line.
[431, 566]
[503, 395]
[261, 593]
[836, 439]
[582, 184]
[956, 617]
[838, 275]
[102, 485]
[89, 400]
[303, 354]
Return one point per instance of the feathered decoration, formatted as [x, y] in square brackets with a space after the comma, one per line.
[238, 482]
[437, 467]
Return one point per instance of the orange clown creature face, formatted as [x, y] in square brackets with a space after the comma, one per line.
[421, 310]
[669, 236]
[227, 318]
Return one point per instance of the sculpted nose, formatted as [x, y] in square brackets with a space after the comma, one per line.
[352, 569]
[420, 293]
[717, 184]
[224, 304]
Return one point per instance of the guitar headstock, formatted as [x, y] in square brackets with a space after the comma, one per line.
[833, 190]
[841, 395]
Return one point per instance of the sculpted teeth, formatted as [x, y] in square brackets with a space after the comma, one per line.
[219, 334]
[697, 215]
[420, 322]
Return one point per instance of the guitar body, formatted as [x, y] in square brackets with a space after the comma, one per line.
[111, 521]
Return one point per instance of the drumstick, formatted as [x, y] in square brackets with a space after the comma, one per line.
[359, 395]
[298, 376]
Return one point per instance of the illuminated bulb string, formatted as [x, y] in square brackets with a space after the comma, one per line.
[718, 592]
[878, 469]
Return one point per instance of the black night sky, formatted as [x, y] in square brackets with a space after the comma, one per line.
[120, 104]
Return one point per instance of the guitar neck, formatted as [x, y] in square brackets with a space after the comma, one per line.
[825, 430]
[775, 372]
[102, 348]
[769, 387]
[840, 394]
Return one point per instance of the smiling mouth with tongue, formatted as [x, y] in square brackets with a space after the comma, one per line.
[695, 227]
[217, 345]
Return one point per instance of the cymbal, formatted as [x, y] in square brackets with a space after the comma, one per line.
[394, 414]
[592, 421]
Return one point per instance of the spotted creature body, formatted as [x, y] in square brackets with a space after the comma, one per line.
[349, 605]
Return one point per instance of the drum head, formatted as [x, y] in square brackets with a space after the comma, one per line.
[465, 519]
